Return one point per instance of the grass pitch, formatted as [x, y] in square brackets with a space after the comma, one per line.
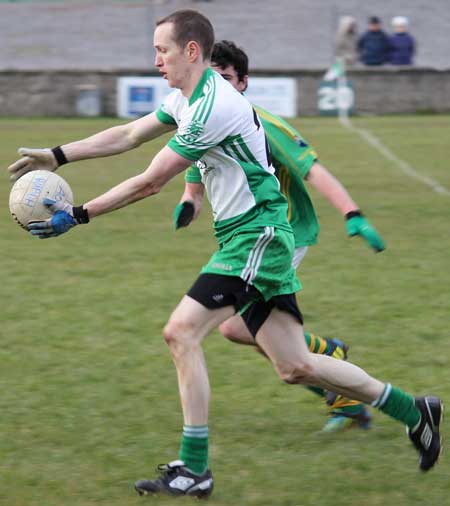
[89, 397]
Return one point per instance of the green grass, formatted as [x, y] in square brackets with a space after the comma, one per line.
[89, 397]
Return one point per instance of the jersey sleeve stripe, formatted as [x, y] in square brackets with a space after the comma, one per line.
[165, 118]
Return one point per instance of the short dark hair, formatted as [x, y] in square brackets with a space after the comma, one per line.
[191, 25]
[375, 20]
[226, 53]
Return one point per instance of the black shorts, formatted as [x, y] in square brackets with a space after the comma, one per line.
[215, 291]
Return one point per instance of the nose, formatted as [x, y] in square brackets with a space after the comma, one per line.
[158, 60]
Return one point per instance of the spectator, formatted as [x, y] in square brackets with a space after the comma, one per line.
[402, 43]
[346, 39]
[374, 46]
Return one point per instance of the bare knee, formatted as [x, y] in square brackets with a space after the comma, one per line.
[299, 373]
[228, 330]
[178, 335]
[234, 329]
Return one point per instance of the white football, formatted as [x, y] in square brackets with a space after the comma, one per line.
[28, 192]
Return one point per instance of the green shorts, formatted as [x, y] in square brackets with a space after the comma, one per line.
[262, 257]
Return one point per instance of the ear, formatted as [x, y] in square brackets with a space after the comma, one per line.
[193, 51]
[243, 84]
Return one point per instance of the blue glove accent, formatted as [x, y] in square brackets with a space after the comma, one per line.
[61, 221]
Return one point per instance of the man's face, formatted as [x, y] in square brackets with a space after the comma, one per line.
[170, 58]
[229, 74]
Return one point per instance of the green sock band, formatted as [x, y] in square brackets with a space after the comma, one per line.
[194, 448]
[398, 404]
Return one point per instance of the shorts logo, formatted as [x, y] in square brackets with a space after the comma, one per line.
[218, 298]
[224, 267]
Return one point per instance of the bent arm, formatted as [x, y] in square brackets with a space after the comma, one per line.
[117, 139]
[328, 186]
[166, 165]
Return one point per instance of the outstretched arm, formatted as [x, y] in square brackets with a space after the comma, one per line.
[109, 142]
[166, 165]
[328, 186]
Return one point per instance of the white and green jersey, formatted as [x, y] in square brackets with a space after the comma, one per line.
[220, 132]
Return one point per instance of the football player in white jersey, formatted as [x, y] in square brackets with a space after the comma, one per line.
[251, 272]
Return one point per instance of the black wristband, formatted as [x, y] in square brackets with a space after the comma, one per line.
[352, 214]
[59, 155]
[80, 215]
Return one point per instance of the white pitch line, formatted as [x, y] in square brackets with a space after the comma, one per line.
[405, 167]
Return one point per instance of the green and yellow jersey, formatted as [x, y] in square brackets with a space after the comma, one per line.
[292, 158]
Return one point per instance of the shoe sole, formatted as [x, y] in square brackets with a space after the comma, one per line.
[441, 417]
[345, 425]
[202, 495]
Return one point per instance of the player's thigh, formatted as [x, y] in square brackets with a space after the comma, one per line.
[236, 330]
[281, 337]
[192, 321]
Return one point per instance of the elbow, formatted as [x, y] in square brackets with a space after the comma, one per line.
[134, 141]
[150, 189]
[146, 187]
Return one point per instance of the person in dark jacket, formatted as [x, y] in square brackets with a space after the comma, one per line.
[403, 45]
[374, 46]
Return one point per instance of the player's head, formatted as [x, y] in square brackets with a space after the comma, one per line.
[182, 39]
[232, 63]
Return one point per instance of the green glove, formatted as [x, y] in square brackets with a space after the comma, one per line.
[183, 214]
[358, 225]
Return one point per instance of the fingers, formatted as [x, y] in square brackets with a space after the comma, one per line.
[52, 205]
[19, 168]
[41, 229]
[32, 159]
[374, 240]
[378, 246]
[25, 151]
[37, 226]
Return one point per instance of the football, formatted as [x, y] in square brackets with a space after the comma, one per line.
[28, 192]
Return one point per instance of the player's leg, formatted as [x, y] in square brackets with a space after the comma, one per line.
[211, 300]
[344, 412]
[295, 364]
[189, 323]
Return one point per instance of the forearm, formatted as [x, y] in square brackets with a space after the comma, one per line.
[109, 142]
[164, 167]
[117, 139]
[125, 193]
[329, 187]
